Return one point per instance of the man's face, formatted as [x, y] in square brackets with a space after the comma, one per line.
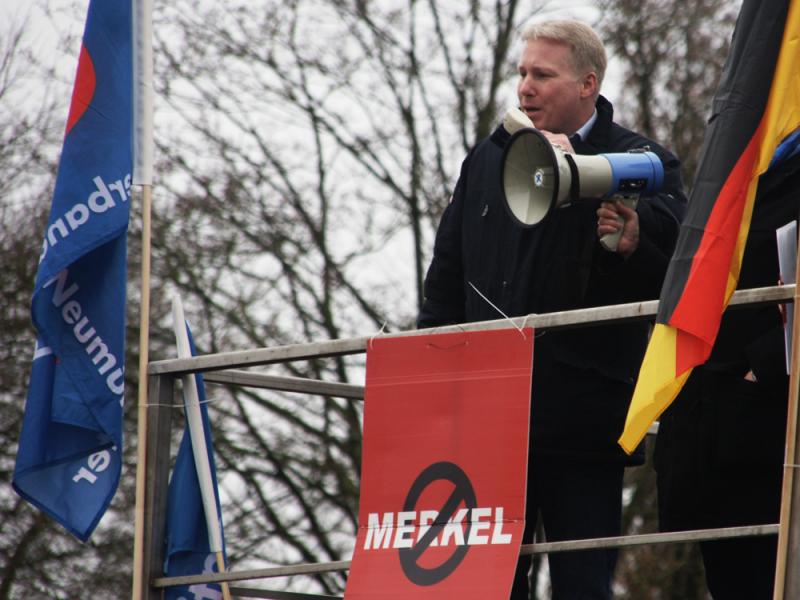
[550, 92]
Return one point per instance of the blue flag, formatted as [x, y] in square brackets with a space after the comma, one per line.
[786, 149]
[188, 550]
[69, 457]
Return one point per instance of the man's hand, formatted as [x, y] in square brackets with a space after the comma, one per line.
[613, 216]
[558, 140]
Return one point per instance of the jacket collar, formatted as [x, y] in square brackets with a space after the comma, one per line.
[600, 134]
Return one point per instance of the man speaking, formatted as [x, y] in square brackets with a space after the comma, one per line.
[484, 264]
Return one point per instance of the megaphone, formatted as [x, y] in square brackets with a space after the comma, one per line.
[537, 178]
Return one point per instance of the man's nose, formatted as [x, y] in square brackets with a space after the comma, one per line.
[526, 86]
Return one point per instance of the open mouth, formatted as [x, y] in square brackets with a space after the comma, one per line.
[531, 112]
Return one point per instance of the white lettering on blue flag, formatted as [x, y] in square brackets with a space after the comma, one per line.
[98, 202]
[41, 351]
[96, 463]
[205, 591]
[85, 334]
[69, 456]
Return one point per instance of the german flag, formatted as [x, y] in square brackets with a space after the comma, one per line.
[756, 107]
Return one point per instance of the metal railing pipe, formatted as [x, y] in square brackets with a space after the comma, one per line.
[600, 315]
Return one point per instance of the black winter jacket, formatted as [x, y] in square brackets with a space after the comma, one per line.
[557, 265]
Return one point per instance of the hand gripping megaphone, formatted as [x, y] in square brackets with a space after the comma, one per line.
[537, 178]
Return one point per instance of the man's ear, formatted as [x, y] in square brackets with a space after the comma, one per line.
[589, 85]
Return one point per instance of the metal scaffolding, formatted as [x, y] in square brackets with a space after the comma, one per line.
[226, 368]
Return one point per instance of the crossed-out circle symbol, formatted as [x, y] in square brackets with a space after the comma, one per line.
[463, 493]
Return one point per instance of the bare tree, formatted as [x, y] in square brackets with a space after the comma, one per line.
[318, 143]
[673, 53]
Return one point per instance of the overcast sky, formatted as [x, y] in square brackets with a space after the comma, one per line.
[42, 31]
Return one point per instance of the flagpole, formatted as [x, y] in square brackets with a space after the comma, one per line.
[144, 340]
[791, 459]
[142, 176]
[194, 420]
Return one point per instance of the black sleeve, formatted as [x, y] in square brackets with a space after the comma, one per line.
[444, 288]
[660, 215]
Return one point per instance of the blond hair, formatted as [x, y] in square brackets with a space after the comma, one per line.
[588, 53]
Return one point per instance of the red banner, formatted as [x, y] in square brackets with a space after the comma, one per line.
[444, 466]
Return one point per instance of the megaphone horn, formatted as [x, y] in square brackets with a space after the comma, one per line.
[537, 178]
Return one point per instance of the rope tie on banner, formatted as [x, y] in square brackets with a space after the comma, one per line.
[504, 315]
[538, 334]
[381, 331]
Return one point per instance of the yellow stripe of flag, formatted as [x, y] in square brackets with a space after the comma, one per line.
[656, 388]
[658, 383]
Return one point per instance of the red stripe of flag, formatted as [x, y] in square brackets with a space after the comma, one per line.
[699, 311]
